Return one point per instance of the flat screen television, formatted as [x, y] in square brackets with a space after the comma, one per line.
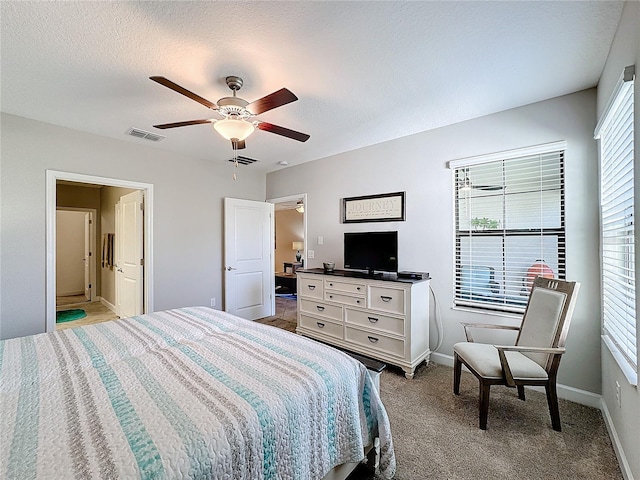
[371, 251]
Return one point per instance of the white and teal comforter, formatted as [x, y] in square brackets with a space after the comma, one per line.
[186, 393]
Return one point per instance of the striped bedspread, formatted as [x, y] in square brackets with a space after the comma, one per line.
[185, 393]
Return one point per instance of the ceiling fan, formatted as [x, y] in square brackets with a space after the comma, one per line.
[238, 116]
[465, 184]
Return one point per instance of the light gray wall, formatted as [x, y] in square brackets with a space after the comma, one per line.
[626, 418]
[417, 164]
[187, 223]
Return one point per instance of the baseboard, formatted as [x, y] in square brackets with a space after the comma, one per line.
[568, 393]
[108, 305]
[70, 294]
[617, 446]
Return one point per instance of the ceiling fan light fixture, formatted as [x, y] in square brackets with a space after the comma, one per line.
[231, 128]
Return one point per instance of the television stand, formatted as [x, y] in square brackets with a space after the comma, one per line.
[384, 318]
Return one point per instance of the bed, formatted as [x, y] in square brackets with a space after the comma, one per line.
[184, 393]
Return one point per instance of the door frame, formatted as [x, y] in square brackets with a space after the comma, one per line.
[291, 198]
[52, 177]
[92, 239]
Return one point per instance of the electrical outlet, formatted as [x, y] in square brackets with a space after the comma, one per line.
[213, 302]
[618, 395]
[311, 254]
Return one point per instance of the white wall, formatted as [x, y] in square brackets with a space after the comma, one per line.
[625, 420]
[417, 164]
[69, 253]
[187, 222]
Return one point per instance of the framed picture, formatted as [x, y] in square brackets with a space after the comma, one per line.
[386, 207]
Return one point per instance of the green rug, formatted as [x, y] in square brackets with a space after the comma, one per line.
[70, 315]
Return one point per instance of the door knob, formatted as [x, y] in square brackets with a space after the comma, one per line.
[120, 270]
[230, 268]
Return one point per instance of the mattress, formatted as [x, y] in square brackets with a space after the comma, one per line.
[184, 393]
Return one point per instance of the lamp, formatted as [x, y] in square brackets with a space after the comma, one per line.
[300, 207]
[298, 246]
[233, 128]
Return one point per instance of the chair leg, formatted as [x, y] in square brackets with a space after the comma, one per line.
[484, 404]
[457, 371]
[521, 392]
[554, 411]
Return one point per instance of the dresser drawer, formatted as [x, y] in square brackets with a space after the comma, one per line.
[387, 300]
[319, 308]
[344, 287]
[310, 287]
[345, 299]
[375, 321]
[324, 327]
[374, 341]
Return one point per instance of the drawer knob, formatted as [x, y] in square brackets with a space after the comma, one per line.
[373, 339]
[312, 287]
[358, 288]
[372, 319]
[357, 301]
[320, 308]
[330, 296]
[385, 298]
[321, 325]
[331, 284]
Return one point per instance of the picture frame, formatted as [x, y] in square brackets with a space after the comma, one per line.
[385, 207]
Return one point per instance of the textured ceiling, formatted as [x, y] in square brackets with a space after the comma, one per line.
[364, 72]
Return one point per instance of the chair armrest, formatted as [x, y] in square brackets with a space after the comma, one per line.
[484, 325]
[515, 348]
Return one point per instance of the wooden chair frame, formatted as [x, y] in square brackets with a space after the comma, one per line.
[554, 352]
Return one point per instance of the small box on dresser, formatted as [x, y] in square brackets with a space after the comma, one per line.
[385, 318]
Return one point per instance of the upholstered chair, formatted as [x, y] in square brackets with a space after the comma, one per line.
[535, 357]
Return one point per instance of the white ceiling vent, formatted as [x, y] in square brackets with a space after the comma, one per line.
[244, 160]
[136, 132]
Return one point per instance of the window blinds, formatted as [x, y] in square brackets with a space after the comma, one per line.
[615, 132]
[509, 220]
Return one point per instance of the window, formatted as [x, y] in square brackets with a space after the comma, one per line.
[509, 222]
[615, 132]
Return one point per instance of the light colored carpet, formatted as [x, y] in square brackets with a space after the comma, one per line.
[436, 434]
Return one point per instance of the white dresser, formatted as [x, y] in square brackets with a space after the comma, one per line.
[383, 318]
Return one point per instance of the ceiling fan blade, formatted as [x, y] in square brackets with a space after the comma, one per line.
[285, 132]
[182, 124]
[271, 101]
[238, 144]
[177, 88]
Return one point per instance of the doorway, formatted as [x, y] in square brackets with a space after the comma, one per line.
[55, 177]
[290, 243]
[75, 253]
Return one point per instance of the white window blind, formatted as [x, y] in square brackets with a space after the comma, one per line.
[509, 220]
[615, 132]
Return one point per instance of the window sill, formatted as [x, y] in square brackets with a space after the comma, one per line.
[627, 369]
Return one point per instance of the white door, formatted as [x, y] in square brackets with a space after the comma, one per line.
[129, 255]
[248, 264]
[87, 256]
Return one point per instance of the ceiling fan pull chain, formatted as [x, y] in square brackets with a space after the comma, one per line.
[234, 144]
